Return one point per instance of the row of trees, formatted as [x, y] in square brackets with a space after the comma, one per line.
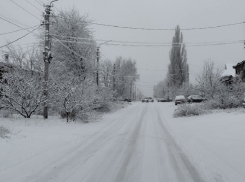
[73, 91]
[120, 76]
[209, 82]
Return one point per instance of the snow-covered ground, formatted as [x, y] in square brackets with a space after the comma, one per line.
[215, 141]
[142, 142]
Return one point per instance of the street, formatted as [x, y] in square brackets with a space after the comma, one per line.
[135, 145]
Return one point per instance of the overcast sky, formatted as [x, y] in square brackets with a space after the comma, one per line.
[152, 62]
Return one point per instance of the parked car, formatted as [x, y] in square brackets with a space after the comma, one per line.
[179, 99]
[148, 99]
[161, 100]
[164, 100]
[243, 104]
[195, 98]
[127, 100]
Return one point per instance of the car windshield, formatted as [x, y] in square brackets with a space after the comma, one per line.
[196, 97]
[180, 97]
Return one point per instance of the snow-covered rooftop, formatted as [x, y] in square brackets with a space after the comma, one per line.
[229, 70]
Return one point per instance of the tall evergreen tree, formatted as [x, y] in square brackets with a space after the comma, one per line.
[178, 69]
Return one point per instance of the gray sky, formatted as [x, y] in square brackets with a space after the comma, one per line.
[147, 14]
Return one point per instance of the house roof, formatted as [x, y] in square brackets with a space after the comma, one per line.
[229, 66]
[229, 70]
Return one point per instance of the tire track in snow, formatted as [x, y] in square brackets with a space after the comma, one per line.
[68, 162]
[112, 151]
[124, 169]
[184, 169]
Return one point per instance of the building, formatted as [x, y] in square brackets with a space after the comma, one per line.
[228, 74]
[240, 69]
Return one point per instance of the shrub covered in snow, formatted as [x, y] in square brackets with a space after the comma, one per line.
[190, 110]
[224, 103]
[4, 131]
[207, 107]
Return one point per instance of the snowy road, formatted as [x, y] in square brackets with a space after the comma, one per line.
[133, 145]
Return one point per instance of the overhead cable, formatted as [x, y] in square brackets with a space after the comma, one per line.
[19, 38]
[159, 45]
[17, 25]
[131, 43]
[34, 6]
[38, 2]
[163, 45]
[11, 21]
[71, 49]
[25, 10]
[18, 30]
[159, 29]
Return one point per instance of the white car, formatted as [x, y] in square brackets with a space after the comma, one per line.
[179, 99]
[148, 99]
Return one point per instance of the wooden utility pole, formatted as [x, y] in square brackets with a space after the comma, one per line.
[114, 75]
[98, 58]
[6, 57]
[168, 90]
[46, 57]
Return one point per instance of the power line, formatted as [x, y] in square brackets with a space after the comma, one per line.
[164, 45]
[70, 41]
[16, 24]
[25, 10]
[159, 29]
[71, 50]
[19, 38]
[149, 44]
[157, 45]
[33, 6]
[38, 2]
[12, 20]
[17, 30]
[140, 42]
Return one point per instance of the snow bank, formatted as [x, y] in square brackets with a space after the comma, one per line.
[216, 142]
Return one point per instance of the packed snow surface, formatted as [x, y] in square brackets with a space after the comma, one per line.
[139, 143]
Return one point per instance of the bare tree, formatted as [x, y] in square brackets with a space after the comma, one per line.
[208, 81]
[21, 91]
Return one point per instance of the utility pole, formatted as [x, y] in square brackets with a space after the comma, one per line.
[46, 57]
[6, 57]
[98, 58]
[168, 90]
[134, 92]
[114, 74]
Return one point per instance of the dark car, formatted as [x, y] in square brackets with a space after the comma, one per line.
[164, 100]
[195, 98]
[127, 100]
[161, 100]
[180, 99]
